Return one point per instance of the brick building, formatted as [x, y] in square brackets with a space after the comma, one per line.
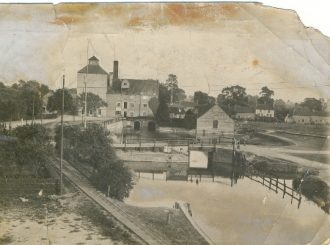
[131, 98]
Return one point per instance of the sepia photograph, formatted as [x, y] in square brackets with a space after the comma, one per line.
[164, 123]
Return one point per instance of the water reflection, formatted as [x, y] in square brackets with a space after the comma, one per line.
[287, 180]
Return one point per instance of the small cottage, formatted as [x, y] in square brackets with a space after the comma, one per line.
[265, 111]
[305, 116]
[214, 123]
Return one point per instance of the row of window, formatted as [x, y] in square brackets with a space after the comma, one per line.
[125, 104]
[130, 114]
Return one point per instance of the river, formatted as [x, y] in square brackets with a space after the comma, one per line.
[244, 213]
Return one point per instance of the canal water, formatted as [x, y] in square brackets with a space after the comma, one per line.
[245, 212]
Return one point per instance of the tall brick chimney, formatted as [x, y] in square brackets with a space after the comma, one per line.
[115, 70]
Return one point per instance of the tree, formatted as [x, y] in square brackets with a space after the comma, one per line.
[266, 96]
[203, 101]
[154, 105]
[281, 110]
[92, 147]
[312, 104]
[33, 148]
[55, 101]
[190, 120]
[94, 102]
[175, 92]
[164, 98]
[231, 97]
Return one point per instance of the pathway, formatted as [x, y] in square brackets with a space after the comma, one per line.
[137, 227]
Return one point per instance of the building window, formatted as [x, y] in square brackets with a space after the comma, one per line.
[125, 105]
[215, 123]
[204, 132]
[145, 105]
[118, 104]
[132, 105]
[117, 113]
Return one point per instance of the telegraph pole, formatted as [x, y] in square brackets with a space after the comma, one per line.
[61, 166]
[85, 121]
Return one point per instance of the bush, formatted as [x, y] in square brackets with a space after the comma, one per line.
[92, 147]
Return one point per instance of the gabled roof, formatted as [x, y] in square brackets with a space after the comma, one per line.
[215, 109]
[93, 69]
[303, 111]
[139, 87]
[264, 107]
[93, 58]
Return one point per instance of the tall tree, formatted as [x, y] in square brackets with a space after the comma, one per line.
[266, 95]
[312, 104]
[55, 101]
[94, 102]
[92, 147]
[33, 148]
[281, 110]
[175, 93]
[203, 101]
[232, 96]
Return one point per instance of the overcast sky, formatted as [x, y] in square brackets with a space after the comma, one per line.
[245, 45]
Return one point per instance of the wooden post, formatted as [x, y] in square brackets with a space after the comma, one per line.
[153, 175]
[299, 201]
[263, 180]
[284, 189]
[140, 143]
[270, 183]
[276, 184]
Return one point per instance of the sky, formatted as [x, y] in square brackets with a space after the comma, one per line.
[227, 45]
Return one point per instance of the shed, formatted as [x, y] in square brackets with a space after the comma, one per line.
[214, 123]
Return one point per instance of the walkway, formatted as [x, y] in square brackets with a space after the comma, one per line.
[137, 227]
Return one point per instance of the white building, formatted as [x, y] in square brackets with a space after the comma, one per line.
[265, 111]
[96, 79]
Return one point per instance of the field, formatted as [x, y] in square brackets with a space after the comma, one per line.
[323, 158]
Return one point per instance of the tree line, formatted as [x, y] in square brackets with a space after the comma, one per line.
[231, 100]
[31, 99]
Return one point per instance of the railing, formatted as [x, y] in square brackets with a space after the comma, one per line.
[274, 184]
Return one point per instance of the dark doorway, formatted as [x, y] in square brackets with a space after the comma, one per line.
[151, 126]
[125, 114]
[137, 125]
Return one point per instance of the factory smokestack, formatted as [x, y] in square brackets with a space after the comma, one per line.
[115, 70]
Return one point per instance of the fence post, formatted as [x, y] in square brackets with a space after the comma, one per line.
[284, 188]
[276, 184]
